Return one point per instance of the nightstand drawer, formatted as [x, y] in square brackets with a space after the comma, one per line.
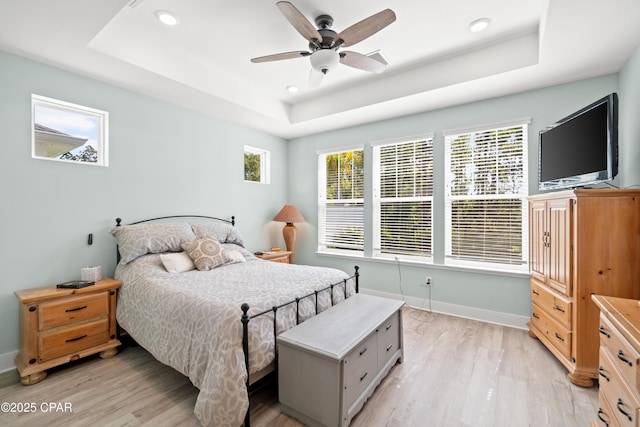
[73, 309]
[63, 341]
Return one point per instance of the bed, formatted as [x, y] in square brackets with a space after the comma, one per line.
[216, 324]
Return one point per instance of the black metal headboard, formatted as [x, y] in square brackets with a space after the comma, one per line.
[232, 221]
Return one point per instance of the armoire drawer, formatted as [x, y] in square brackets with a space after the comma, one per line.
[558, 335]
[67, 310]
[557, 306]
[389, 339]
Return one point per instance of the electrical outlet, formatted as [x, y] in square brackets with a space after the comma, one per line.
[428, 281]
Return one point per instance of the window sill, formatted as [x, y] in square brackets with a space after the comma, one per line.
[431, 264]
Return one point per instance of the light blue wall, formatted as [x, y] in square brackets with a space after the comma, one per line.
[163, 160]
[498, 293]
[629, 127]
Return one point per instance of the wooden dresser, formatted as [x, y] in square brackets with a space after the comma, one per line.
[329, 365]
[619, 394]
[582, 242]
[61, 325]
[277, 256]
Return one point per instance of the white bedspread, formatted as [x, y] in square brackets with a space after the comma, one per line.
[191, 321]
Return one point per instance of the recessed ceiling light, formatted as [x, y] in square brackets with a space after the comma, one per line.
[293, 89]
[479, 25]
[167, 17]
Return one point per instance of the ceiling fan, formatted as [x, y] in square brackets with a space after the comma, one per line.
[324, 42]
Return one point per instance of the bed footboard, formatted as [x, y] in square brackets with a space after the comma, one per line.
[246, 318]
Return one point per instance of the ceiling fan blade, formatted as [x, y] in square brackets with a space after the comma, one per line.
[365, 28]
[299, 22]
[362, 62]
[281, 56]
[315, 77]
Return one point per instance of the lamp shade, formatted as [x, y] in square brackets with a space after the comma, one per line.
[289, 214]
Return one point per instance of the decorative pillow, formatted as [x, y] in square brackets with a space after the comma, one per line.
[141, 239]
[177, 262]
[206, 253]
[223, 233]
[234, 256]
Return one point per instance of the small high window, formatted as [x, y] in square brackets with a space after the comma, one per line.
[256, 165]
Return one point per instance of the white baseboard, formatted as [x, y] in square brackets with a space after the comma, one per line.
[7, 361]
[496, 317]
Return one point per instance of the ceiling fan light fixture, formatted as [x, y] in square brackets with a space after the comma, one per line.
[324, 60]
[167, 18]
[480, 24]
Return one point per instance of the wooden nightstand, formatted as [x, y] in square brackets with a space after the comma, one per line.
[280, 256]
[61, 325]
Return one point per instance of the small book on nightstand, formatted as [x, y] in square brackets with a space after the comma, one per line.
[75, 284]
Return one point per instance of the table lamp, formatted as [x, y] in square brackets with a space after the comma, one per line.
[289, 214]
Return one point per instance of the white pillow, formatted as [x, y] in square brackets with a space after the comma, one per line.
[177, 262]
[234, 256]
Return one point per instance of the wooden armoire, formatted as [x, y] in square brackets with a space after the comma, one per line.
[582, 242]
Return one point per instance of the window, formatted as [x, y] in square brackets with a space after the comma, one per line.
[486, 190]
[256, 165]
[340, 201]
[403, 198]
[68, 132]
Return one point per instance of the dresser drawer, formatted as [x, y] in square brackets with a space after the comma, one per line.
[559, 336]
[388, 339]
[67, 310]
[623, 402]
[61, 341]
[554, 304]
[360, 367]
[606, 418]
[624, 356]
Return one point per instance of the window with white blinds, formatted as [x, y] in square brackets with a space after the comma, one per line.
[486, 196]
[341, 201]
[403, 198]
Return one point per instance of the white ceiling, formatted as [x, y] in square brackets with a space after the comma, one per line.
[434, 60]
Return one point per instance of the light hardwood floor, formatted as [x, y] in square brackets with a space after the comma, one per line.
[456, 372]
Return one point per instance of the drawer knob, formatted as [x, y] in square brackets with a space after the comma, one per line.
[364, 376]
[76, 309]
[602, 374]
[389, 347]
[556, 307]
[363, 351]
[535, 315]
[388, 326]
[559, 337]
[620, 406]
[76, 339]
[600, 412]
[624, 359]
[533, 291]
[604, 332]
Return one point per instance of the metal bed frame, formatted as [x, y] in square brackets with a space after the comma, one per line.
[246, 318]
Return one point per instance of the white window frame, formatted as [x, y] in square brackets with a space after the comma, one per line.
[58, 127]
[324, 243]
[379, 201]
[521, 194]
[265, 164]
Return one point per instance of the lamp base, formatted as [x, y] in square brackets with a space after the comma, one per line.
[289, 233]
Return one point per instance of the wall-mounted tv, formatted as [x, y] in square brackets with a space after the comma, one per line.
[581, 149]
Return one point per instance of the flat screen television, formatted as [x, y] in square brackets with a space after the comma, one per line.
[581, 149]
